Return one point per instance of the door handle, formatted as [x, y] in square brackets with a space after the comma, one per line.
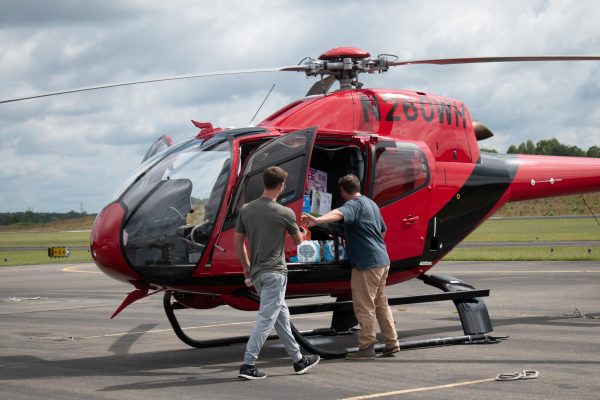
[411, 219]
[221, 249]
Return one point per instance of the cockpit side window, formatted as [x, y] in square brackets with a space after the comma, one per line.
[400, 169]
[172, 209]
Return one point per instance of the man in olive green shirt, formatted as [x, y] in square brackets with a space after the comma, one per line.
[264, 223]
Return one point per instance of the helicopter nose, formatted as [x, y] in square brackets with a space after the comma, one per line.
[106, 244]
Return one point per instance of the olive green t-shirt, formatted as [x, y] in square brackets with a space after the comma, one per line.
[265, 222]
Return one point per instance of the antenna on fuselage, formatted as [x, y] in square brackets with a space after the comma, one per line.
[261, 104]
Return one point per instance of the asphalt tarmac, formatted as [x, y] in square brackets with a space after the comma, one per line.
[57, 342]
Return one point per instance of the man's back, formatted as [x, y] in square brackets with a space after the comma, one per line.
[265, 222]
[364, 226]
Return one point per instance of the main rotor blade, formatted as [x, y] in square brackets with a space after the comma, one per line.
[473, 60]
[322, 86]
[168, 78]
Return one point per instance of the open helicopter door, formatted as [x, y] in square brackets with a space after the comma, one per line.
[400, 185]
[291, 152]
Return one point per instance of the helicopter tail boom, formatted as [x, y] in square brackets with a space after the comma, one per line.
[549, 176]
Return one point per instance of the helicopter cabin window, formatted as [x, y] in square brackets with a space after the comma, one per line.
[400, 169]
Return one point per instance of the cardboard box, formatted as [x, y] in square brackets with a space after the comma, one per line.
[317, 180]
[306, 203]
[320, 202]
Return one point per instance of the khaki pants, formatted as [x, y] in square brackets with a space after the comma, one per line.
[370, 304]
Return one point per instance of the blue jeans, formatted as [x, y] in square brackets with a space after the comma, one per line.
[273, 312]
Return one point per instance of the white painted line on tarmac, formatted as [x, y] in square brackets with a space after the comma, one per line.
[558, 271]
[191, 327]
[164, 330]
[416, 390]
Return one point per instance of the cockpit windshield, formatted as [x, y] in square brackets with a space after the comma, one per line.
[173, 206]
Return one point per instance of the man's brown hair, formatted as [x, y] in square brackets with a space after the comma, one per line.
[273, 177]
[350, 183]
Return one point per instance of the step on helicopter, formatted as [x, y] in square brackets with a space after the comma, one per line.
[169, 228]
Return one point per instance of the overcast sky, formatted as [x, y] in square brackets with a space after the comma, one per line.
[71, 152]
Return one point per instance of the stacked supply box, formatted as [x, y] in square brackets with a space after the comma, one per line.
[317, 201]
[320, 202]
[317, 180]
[319, 251]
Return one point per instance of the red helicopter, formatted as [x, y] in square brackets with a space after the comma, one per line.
[170, 226]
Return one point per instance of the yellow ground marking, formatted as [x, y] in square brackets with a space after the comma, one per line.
[75, 269]
[420, 389]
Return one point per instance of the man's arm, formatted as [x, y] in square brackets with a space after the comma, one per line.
[241, 252]
[331, 216]
[298, 236]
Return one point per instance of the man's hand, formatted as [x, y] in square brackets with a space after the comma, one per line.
[241, 252]
[308, 220]
[302, 230]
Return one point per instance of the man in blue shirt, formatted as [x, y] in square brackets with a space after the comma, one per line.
[364, 228]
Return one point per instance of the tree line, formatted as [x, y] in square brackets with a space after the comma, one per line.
[552, 147]
[31, 217]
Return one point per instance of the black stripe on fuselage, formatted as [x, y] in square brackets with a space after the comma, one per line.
[489, 180]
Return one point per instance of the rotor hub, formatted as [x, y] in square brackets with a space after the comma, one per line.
[344, 64]
[344, 52]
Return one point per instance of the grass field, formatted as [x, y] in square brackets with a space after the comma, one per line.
[33, 257]
[72, 224]
[552, 206]
[26, 239]
[548, 253]
[531, 230]
[522, 230]
[44, 239]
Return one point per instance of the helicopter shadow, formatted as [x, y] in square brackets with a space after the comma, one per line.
[200, 367]
[559, 321]
[123, 344]
[159, 369]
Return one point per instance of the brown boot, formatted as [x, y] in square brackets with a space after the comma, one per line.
[368, 353]
[388, 351]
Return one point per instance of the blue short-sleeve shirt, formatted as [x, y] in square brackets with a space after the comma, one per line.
[364, 226]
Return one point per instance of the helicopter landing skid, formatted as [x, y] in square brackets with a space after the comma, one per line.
[170, 308]
[471, 308]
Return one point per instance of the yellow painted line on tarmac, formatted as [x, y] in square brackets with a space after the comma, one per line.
[75, 269]
[420, 389]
